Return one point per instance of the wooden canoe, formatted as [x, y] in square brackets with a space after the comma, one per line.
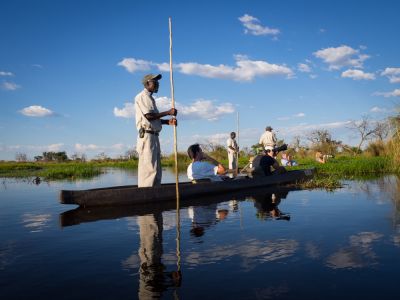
[132, 195]
[261, 196]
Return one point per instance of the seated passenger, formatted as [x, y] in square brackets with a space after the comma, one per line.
[203, 166]
[262, 164]
[321, 158]
[286, 160]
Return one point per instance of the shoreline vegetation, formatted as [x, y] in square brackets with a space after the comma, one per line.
[380, 157]
[328, 175]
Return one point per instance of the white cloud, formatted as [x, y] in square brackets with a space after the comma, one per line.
[393, 74]
[36, 111]
[114, 149]
[298, 115]
[245, 70]
[252, 26]
[283, 118]
[128, 111]
[377, 109]
[358, 75]
[300, 129]
[395, 93]
[84, 148]
[10, 86]
[3, 73]
[132, 65]
[54, 147]
[199, 109]
[304, 68]
[340, 57]
[118, 146]
[49, 148]
[216, 138]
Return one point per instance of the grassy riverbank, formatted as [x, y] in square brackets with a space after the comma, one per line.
[346, 167]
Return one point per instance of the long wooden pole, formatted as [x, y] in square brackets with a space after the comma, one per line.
[175, 151]
[237, 153]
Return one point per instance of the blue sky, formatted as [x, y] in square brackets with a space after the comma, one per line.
[69, 70]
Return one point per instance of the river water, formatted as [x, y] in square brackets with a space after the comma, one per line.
[268, 244]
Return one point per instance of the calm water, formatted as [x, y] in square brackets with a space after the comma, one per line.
[266, 244]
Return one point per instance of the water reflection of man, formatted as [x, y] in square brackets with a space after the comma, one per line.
[152, 278]
[204, 217]
[267, 206]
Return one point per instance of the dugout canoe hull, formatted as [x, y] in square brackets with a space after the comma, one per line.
[132, 195]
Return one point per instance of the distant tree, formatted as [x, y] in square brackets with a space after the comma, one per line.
[78, 157]
[321, 140]
[38, 158]
[102, 156]
[21, 157]
[131, 154]
[381, 131]
[55, 156]
[257, 148]
[296, 142]
[364, 128]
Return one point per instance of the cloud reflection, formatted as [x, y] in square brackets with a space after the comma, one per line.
[252, 251]
[359, 254]
[7, 255]
[35, 223]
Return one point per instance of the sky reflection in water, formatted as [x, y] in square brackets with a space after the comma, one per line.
[269, 243]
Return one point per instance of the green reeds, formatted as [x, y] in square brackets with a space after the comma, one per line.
[69, 170]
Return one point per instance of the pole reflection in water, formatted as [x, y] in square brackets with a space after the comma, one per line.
[153, 279]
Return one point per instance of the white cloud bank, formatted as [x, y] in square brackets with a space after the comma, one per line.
[298, 115]
[252, 26]
[395, 93]
[341, 56]
[3, 73]
[10, 86]
[358, 75]
[132, 65]
[82, 148]
[245, 69]
[393, 74]
[36, 111]
[377, 109]
[199, 109]
[304, 68]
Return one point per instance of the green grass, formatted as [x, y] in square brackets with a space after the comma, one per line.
[347, 167]
[49, 171]
[328, 175]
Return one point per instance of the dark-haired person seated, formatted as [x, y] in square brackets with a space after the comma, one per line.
[203, 167]
[262, 164]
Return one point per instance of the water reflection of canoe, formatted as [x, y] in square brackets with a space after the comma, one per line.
[132, 195]
[97, 213]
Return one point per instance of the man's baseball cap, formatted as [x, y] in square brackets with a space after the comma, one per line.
[269, 128]
[149, 77]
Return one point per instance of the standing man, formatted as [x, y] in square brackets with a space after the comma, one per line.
[232, 149]
[149, 125]
[268, 139]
